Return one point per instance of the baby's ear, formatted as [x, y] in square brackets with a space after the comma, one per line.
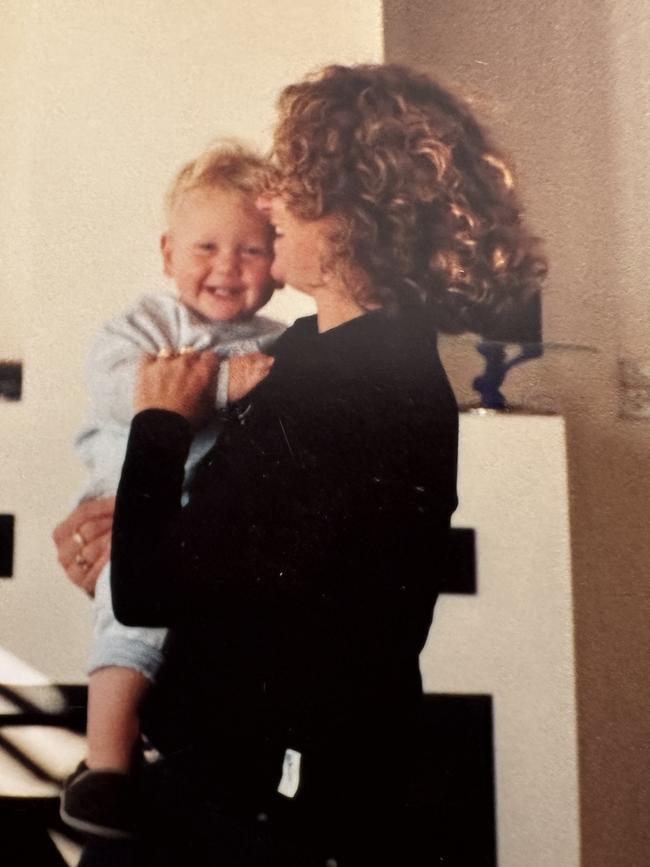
[166, 252]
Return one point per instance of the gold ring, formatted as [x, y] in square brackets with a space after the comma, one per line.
[165, 352]
[78, 538]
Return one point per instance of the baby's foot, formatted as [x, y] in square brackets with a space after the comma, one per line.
[99, 802]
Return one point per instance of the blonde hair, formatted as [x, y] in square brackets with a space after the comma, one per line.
[226, 164]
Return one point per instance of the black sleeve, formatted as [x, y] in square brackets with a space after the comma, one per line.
[353, 550]
[147, 546]
[170, 562]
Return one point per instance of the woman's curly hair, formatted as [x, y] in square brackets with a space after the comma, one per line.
[427, 208]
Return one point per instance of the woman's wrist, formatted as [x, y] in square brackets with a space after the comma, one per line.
[162, 424]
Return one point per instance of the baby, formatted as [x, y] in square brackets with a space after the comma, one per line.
[218, 249]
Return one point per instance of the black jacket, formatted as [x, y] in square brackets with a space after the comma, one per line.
[300, 579]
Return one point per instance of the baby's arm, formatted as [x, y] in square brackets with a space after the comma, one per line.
[114, 358]
[153, 324]
[111, 371]
[245, 368]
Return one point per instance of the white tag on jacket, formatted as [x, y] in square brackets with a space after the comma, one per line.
[290, 774]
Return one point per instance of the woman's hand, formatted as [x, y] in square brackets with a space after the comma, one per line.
[83, 541]
[182, 383]
[246, 371]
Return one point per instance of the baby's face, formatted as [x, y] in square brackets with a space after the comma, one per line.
[219, 252]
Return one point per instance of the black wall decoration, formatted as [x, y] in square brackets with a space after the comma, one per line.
[6, 546]
[11, 380]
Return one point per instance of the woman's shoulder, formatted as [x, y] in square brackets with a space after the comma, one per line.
[401, 367]
[384, 341]
[295, 336]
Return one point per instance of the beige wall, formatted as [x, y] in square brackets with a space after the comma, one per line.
[565, 88]
[101, 102]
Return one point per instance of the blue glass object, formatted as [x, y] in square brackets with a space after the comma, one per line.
[497, 365]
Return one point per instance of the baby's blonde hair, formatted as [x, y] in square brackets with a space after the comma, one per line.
[226, 164]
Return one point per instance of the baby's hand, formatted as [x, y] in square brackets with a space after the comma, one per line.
[246, 371]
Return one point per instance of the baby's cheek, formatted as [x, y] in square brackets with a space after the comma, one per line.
[263, 268]
[260, 281]
[199, 270]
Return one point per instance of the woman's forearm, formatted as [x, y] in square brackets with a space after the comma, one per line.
[147, 531]
[171, 562]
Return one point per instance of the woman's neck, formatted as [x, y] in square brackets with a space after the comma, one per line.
[333, 310]
[335, 305]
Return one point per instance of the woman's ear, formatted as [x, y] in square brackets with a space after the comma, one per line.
[166, 253]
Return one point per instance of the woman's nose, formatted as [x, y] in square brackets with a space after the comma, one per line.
[264, 203]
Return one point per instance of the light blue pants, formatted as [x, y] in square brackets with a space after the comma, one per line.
[136, 647]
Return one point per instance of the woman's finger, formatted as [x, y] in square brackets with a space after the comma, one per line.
[89, 578]
[67, 552]
[70, 547]
[83, 564]
[85, 512]
[91, 530]
[95, 550]
[72, 551]
[90, 510]
[83, 541]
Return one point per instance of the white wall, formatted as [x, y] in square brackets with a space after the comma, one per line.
[101, 103]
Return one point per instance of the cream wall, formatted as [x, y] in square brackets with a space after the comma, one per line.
[101, 102]
[566, 88]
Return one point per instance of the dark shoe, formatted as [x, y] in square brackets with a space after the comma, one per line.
[101, 803]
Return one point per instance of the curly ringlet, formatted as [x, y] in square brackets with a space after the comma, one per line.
[427, 206]
[226, 164]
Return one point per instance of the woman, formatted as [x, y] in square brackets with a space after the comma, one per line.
[301, 579]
